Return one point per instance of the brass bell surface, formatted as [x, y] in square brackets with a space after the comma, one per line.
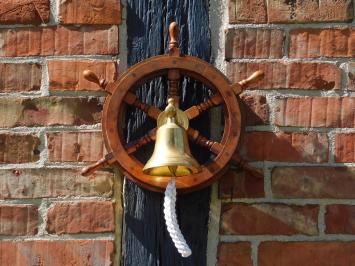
[171, 156]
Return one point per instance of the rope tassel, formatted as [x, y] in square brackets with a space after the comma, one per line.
[171, 220]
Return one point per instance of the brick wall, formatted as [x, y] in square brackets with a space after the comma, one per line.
[300, 133]
[50, 127]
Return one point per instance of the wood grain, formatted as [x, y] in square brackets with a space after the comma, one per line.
[146, 239]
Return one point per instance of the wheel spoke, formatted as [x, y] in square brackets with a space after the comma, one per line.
[107, 160]
[196, 110]
[151, 111]
[133, 146]
[199, 139]
[173, 80]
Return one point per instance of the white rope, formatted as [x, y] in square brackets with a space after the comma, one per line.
[171, 220]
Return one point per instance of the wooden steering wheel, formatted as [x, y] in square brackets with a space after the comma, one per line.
[173, 65]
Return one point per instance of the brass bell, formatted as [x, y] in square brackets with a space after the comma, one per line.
[171, 156]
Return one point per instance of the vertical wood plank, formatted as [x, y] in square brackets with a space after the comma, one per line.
[146, 240]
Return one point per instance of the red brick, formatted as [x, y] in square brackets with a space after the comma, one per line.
[330, 112]
[19, 148]
[266, 219]
[254, 43]
[286, 146]
[313, 182]
[68, 75]
[20, 77]
[51, 183]
[252, 11]
[81, 217]
[306, 253]
[75, 146]
[344, 151]
[289, 75]
[24, 11]
[90, 12]
[59, 41]
[308, 43]
[49, 111]
[18, 220]
[256, 109]
[351, 76]
[240, 184]
[280, 11]
[56, 252]
[234, 254]
[340, 219]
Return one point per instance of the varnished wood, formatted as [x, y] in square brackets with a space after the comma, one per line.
[202, 141]
[146, 139]
[174, 36]
[92, 77]
[151, 111]
[173, 89]
[216, 99]
[196, 110]
[216, 148]
[172, 65]
[243, 84]
[107, 160]
[190, 66]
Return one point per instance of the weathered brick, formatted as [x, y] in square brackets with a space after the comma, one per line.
[254, 43]
[311, 43]
[321, 76]
[18, 220]
[19, 147]
[20, 77]
[68, 75]
[51, 183]
[56, 252]
[234, 254]
[289, 75]
[340, 219]
[265, 219]
[90, 12]
[344, 150]
[330, 112]
[49, 111]
[75, 146]
[59, 41]
[280, 11]
[351, 76]
[253, 11]
[81, 217]
[24, 11]
[313, 182]
[286, 146]
[240, 184]
[306, 253]
[256, 109]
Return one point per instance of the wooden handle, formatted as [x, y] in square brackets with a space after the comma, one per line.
[241, 85]
[89, 170]
[256, 76]
[174, 35]
[92, 77]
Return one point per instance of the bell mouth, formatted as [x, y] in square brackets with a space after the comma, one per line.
[180, 170]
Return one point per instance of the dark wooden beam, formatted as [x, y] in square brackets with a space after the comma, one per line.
[146, 240]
